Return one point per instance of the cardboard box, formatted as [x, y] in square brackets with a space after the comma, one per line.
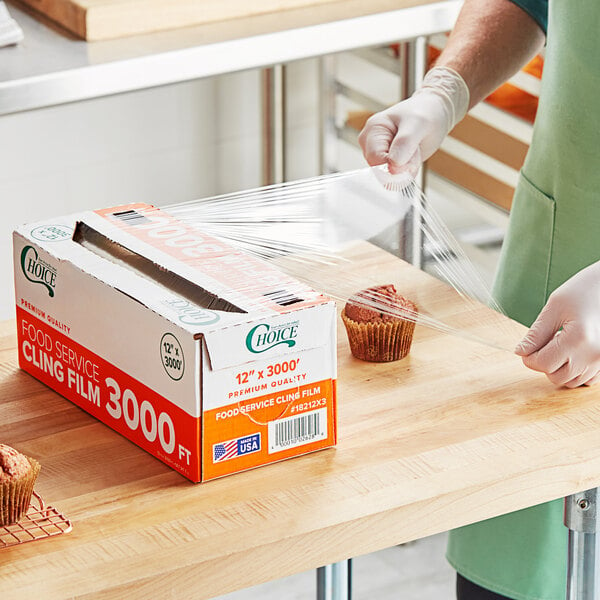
[208, 358]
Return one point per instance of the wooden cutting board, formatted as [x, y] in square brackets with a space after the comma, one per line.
[105, 19]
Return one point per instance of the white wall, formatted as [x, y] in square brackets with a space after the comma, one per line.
[302, 106]
[160, 146]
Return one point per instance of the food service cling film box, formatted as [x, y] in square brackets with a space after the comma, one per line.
[208, 358]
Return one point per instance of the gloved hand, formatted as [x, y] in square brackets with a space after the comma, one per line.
[569, 356]
[408, 133]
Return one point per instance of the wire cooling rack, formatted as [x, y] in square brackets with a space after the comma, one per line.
[41, 521]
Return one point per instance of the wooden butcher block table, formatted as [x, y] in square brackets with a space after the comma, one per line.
[455, 433]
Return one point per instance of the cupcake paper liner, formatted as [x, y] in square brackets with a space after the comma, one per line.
[15, 496]
[379, 342]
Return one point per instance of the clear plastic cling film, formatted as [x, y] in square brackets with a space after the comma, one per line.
[349, 232]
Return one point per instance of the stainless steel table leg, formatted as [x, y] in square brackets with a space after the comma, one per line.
[414, 61]
[334, 582]
[581, 518]
[273, 104]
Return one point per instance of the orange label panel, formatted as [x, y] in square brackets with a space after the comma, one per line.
[109, 394]
[269, 428]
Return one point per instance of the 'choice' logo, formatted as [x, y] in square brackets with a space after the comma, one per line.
[263, 336]
[37, 270]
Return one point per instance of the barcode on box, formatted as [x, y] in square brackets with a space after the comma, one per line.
[131, 217]
[298, 430]
[283, 297]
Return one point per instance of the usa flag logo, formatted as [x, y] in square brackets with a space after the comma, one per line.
[237, 447]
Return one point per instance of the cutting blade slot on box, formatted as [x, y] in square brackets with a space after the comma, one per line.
[150, 325]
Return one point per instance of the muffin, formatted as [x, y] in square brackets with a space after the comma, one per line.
[380, 324]
[17, 477]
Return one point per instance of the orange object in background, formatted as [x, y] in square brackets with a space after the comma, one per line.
[515, 100]
[509, 97]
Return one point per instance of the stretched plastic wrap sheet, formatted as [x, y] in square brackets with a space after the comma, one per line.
[350, 232]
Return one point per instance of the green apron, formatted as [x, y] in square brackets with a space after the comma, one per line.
[554, 232]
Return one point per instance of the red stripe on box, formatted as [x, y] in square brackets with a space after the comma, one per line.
[123, 403]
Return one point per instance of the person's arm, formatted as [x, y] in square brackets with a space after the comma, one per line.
[491, 41]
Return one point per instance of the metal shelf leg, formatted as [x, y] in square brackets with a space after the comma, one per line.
[581, 518]
[327, 129]
[274, 109]
[334, 582]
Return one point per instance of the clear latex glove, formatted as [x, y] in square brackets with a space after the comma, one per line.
[569, 356]
[408, 133]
